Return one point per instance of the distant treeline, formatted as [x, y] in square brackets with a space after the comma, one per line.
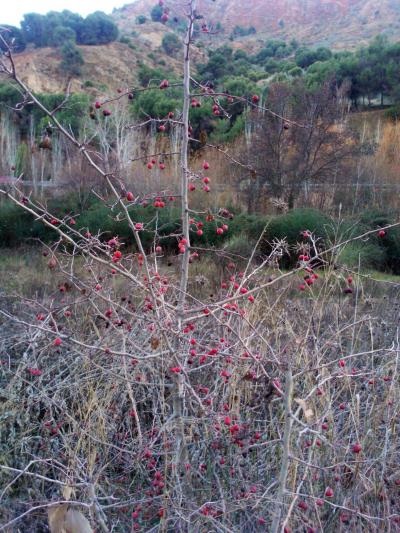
[56, 28]
[370, 71]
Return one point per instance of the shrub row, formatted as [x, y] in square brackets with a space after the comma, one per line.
[18, 227]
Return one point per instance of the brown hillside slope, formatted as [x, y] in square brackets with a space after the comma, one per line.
[106, 67]
[335, 23]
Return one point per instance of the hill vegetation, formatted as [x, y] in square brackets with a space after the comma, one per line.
[335, 24]
[57, 27]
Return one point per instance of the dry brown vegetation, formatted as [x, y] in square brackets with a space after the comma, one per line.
[199, 391]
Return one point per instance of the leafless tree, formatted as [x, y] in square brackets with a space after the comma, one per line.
[284, 157]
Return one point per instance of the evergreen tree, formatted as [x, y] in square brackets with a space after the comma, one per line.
[72, 59]
[98, 28]
[13, 37]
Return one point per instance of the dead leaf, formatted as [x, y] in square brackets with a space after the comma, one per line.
[155, 343]
[307, 411]
[67, 492]
[64, 519]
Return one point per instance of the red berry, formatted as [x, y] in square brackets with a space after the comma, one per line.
[356, 448]
[206, 165]
[328, 492]
[255, 98]
[57, 341]
[220, 231]
[97, 105]
[34, 371]
[106, 112]
[129, 196]
[381, 233]
[302, 505]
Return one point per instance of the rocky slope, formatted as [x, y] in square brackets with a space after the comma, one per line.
[334, 23]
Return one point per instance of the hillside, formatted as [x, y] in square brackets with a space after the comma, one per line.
[335, 23]
[106, 67]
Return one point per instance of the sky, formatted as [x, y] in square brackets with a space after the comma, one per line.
[12, 11]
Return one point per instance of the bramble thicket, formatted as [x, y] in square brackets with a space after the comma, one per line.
[169, 363]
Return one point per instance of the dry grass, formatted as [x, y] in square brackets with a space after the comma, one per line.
[101, 423]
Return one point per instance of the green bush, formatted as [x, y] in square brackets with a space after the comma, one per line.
[171, 43]
[240, 245]
[390, 244]
[18, 227]
[124, 39]
[13, 37]
[290, 225]
[9, 94]
[366, 255]
[393, 113]
[156, 13]
[71, 59]
[70, 115]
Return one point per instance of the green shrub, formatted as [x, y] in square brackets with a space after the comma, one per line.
[71, 59]
[9, 94]
[124, 39]
[290, 225]
[390, 244]
[156, 13]
[70, 115]
[366, 255]
[393, 113]
[171, 43]
[17, 226]
[240, 245]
